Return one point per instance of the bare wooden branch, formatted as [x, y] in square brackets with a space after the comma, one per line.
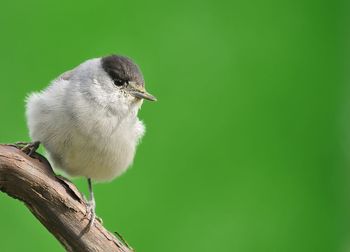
[54, 201]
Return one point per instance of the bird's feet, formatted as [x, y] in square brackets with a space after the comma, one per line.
[90, 213]
[28, 148]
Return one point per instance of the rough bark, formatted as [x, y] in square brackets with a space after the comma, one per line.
[54, 201]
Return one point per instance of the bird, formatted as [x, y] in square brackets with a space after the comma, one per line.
[87, 120]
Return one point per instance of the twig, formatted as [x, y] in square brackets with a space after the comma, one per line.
[54, 201]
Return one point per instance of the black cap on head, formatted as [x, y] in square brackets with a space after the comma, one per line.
[121, 68]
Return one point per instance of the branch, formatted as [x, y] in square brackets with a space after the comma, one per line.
[54, 201]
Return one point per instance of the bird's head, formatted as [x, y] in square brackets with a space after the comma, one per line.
[112, 82]
[126, 76]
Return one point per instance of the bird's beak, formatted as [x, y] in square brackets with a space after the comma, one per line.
[139, 91]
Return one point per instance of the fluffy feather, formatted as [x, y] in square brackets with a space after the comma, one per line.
[88, 125]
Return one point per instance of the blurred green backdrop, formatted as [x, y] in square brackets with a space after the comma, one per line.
[246, 149]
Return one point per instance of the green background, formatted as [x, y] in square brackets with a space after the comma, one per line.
[247, 148]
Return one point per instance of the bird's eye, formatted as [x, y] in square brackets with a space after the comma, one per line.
[119, 82]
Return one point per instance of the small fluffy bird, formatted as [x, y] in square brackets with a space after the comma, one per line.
[87, 119]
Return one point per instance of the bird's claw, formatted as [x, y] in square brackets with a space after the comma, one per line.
[99, 219]
[28, 148]
[90, 214]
